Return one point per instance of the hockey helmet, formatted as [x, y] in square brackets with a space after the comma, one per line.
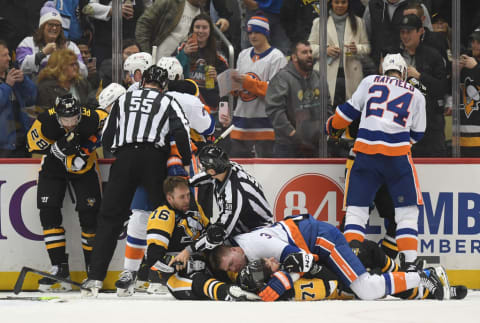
[173, 67]
[253, 276]
[155, 74]
[66, 106]
[110, 94]
[137, 62]
[213, 157]
[395, 62]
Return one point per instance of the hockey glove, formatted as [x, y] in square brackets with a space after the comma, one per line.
[76, 162]
[301, 262]
[162, 265]
[276, 286]
[215, 235]
[65, 146]
[331, 131]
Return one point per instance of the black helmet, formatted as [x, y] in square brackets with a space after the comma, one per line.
[213, 157]
[253, 276]
[66, 106]
[155, 74]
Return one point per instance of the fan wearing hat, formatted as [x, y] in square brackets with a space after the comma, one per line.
[256, 66]
[426, 65]
[33, 51]
[470, 106]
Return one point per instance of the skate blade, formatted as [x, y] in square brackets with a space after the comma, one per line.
[55, 288]
[158, 289]
[141, 286]
[121, 292]
[440, 271]
[92, 292]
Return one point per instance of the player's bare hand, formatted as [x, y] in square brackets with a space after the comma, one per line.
[181, 258]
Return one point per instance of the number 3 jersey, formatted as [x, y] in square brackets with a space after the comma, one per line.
[392, 115]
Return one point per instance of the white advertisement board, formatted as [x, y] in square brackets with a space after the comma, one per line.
[449, 221]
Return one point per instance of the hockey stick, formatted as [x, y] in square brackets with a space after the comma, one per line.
[224, 134]
[25, 270]
[54, 299]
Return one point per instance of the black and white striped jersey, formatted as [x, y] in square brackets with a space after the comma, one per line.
[241, 202]
[146, 116]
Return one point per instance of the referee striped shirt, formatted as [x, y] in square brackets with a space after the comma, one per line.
[241, 202]
[147, 116]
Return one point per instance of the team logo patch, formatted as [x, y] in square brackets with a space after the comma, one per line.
[312, 193]
[471, 97]
[91, 201]
[246, 96]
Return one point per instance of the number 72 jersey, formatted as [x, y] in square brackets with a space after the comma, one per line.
[392, 115]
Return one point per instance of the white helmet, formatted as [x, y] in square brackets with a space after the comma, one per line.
[138, 61]
[109, 94]
[173, 67]
[395, 62]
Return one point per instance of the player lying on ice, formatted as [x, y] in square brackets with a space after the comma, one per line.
[301, 243]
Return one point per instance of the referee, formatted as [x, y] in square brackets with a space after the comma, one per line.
[138, 131]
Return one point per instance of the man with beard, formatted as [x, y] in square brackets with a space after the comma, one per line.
[293, 105]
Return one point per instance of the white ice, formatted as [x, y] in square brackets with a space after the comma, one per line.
[108, 308]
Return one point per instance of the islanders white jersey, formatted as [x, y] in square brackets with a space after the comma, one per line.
[250, 119]
[199, 118]
[392, 115]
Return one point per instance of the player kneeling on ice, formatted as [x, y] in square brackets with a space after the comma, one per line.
[317, 242]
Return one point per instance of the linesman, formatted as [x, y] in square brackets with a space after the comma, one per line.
[138, 131]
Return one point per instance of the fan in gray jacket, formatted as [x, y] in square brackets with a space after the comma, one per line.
[293, 105]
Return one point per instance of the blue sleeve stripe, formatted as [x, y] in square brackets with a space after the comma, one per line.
[210, 129]
[349, 111]
[416, 136]
[138, 242]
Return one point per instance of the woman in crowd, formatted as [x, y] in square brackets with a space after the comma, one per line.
[201, 61]
[347, 43]
[59, 77]
[34, 51]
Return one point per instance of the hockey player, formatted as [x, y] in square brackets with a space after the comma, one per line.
[315, 241]
[135, 65]
[67, 134]
[109, 95]
[240, 199]
[392, 115]
[201, 123]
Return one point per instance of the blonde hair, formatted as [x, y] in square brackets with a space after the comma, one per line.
[57, 62]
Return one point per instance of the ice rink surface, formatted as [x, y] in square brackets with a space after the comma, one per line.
[108, 308]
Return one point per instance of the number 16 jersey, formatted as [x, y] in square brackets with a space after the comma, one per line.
[392, 115]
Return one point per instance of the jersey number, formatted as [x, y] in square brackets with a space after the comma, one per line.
[306, 295]
[399, 106]
[144, 105]
[42, 144]
[162, 215]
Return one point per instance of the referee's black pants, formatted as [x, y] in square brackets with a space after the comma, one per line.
[135, 164]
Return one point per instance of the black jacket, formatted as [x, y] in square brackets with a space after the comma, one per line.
[429, 63]
[296, 18]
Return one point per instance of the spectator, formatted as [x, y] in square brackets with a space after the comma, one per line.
[293, 105]
[129, 47]
[253, 134]
[382, 18]
[470, 107]
[16, 92]
[200, 53]
[296, 17]
[91, 62]
[165, 24]
[60, 77]
[70, 11]
[271, 11]
[18, 19]
[101, 12]
[222, 12]
[426, 65]
[34, 51]
[347, 42]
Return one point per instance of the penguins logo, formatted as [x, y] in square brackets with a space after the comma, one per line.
[471, 97]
